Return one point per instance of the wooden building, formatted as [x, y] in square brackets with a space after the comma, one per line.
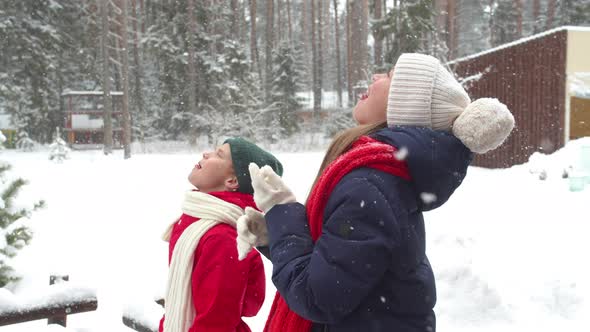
[8, 129]
[544, 80]
[83, 118]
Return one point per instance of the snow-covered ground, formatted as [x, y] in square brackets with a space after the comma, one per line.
[507, 248]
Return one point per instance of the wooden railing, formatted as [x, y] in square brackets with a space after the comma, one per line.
[138, 324]
[55, 312]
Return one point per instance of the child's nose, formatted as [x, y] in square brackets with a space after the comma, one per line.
[205, 155]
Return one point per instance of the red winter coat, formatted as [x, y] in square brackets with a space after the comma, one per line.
[224, 289]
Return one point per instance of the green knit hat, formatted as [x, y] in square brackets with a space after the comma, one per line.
[242, 154]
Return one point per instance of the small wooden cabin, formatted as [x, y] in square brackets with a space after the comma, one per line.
[83, 118]
[8, 129]
[544, 80]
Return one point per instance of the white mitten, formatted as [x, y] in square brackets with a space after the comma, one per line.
[252, 232]
[269, 188]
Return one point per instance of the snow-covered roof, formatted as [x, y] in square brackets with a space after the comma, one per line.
[89, 93]
[518, 42]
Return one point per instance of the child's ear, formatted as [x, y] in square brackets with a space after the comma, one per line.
[231, 184]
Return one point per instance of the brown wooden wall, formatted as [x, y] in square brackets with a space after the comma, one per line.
[529, 78]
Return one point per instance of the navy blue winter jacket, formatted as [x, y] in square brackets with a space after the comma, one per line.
[368, 271]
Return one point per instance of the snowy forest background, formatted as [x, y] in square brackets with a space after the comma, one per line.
[190, 68]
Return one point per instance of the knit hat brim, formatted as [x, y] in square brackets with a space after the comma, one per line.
[243, 153]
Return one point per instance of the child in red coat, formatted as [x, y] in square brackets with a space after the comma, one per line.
[209, 289]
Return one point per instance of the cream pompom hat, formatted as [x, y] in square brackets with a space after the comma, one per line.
[424, 93]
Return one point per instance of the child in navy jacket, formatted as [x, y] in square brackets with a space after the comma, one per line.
[354, 257]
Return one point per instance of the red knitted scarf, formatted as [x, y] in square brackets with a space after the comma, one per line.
[365, 152]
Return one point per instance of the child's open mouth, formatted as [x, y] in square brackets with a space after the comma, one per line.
[364, 96]
[198, 166]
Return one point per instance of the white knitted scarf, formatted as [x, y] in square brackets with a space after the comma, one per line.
[211, 210]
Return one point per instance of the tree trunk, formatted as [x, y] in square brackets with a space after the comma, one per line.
[359, 51]
[518, 6]
[125, 81]
[289, 25]
[452, 35]
[317, 94]
[254, 41]
[305, 26]
[338, 65]
[106, 79]
[314, 61]
[378, 41]
[243, 25]
[536, 12]
[326, 41]
[550, 14]
[235, 19]
[349, 60]
[269, 48]
[491, 25]
[442, 17]
[364, 55]
[138, 65]
[143, 15]
[279, 21]
[387, 38]
[191, 66]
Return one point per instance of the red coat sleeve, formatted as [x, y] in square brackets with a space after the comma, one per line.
[219, 282]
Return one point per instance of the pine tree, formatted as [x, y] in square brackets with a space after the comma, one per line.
[287, 83]
[572, 12]
[410, 23]
[504, 18]
[14, 234]
[59, 150]
[24, 142]
[164, 41]
[473, 30]
[45, 54]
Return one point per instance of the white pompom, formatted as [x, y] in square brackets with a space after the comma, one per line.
[483, 125]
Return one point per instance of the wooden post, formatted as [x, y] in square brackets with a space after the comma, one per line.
[60, 320]
[161, 302]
